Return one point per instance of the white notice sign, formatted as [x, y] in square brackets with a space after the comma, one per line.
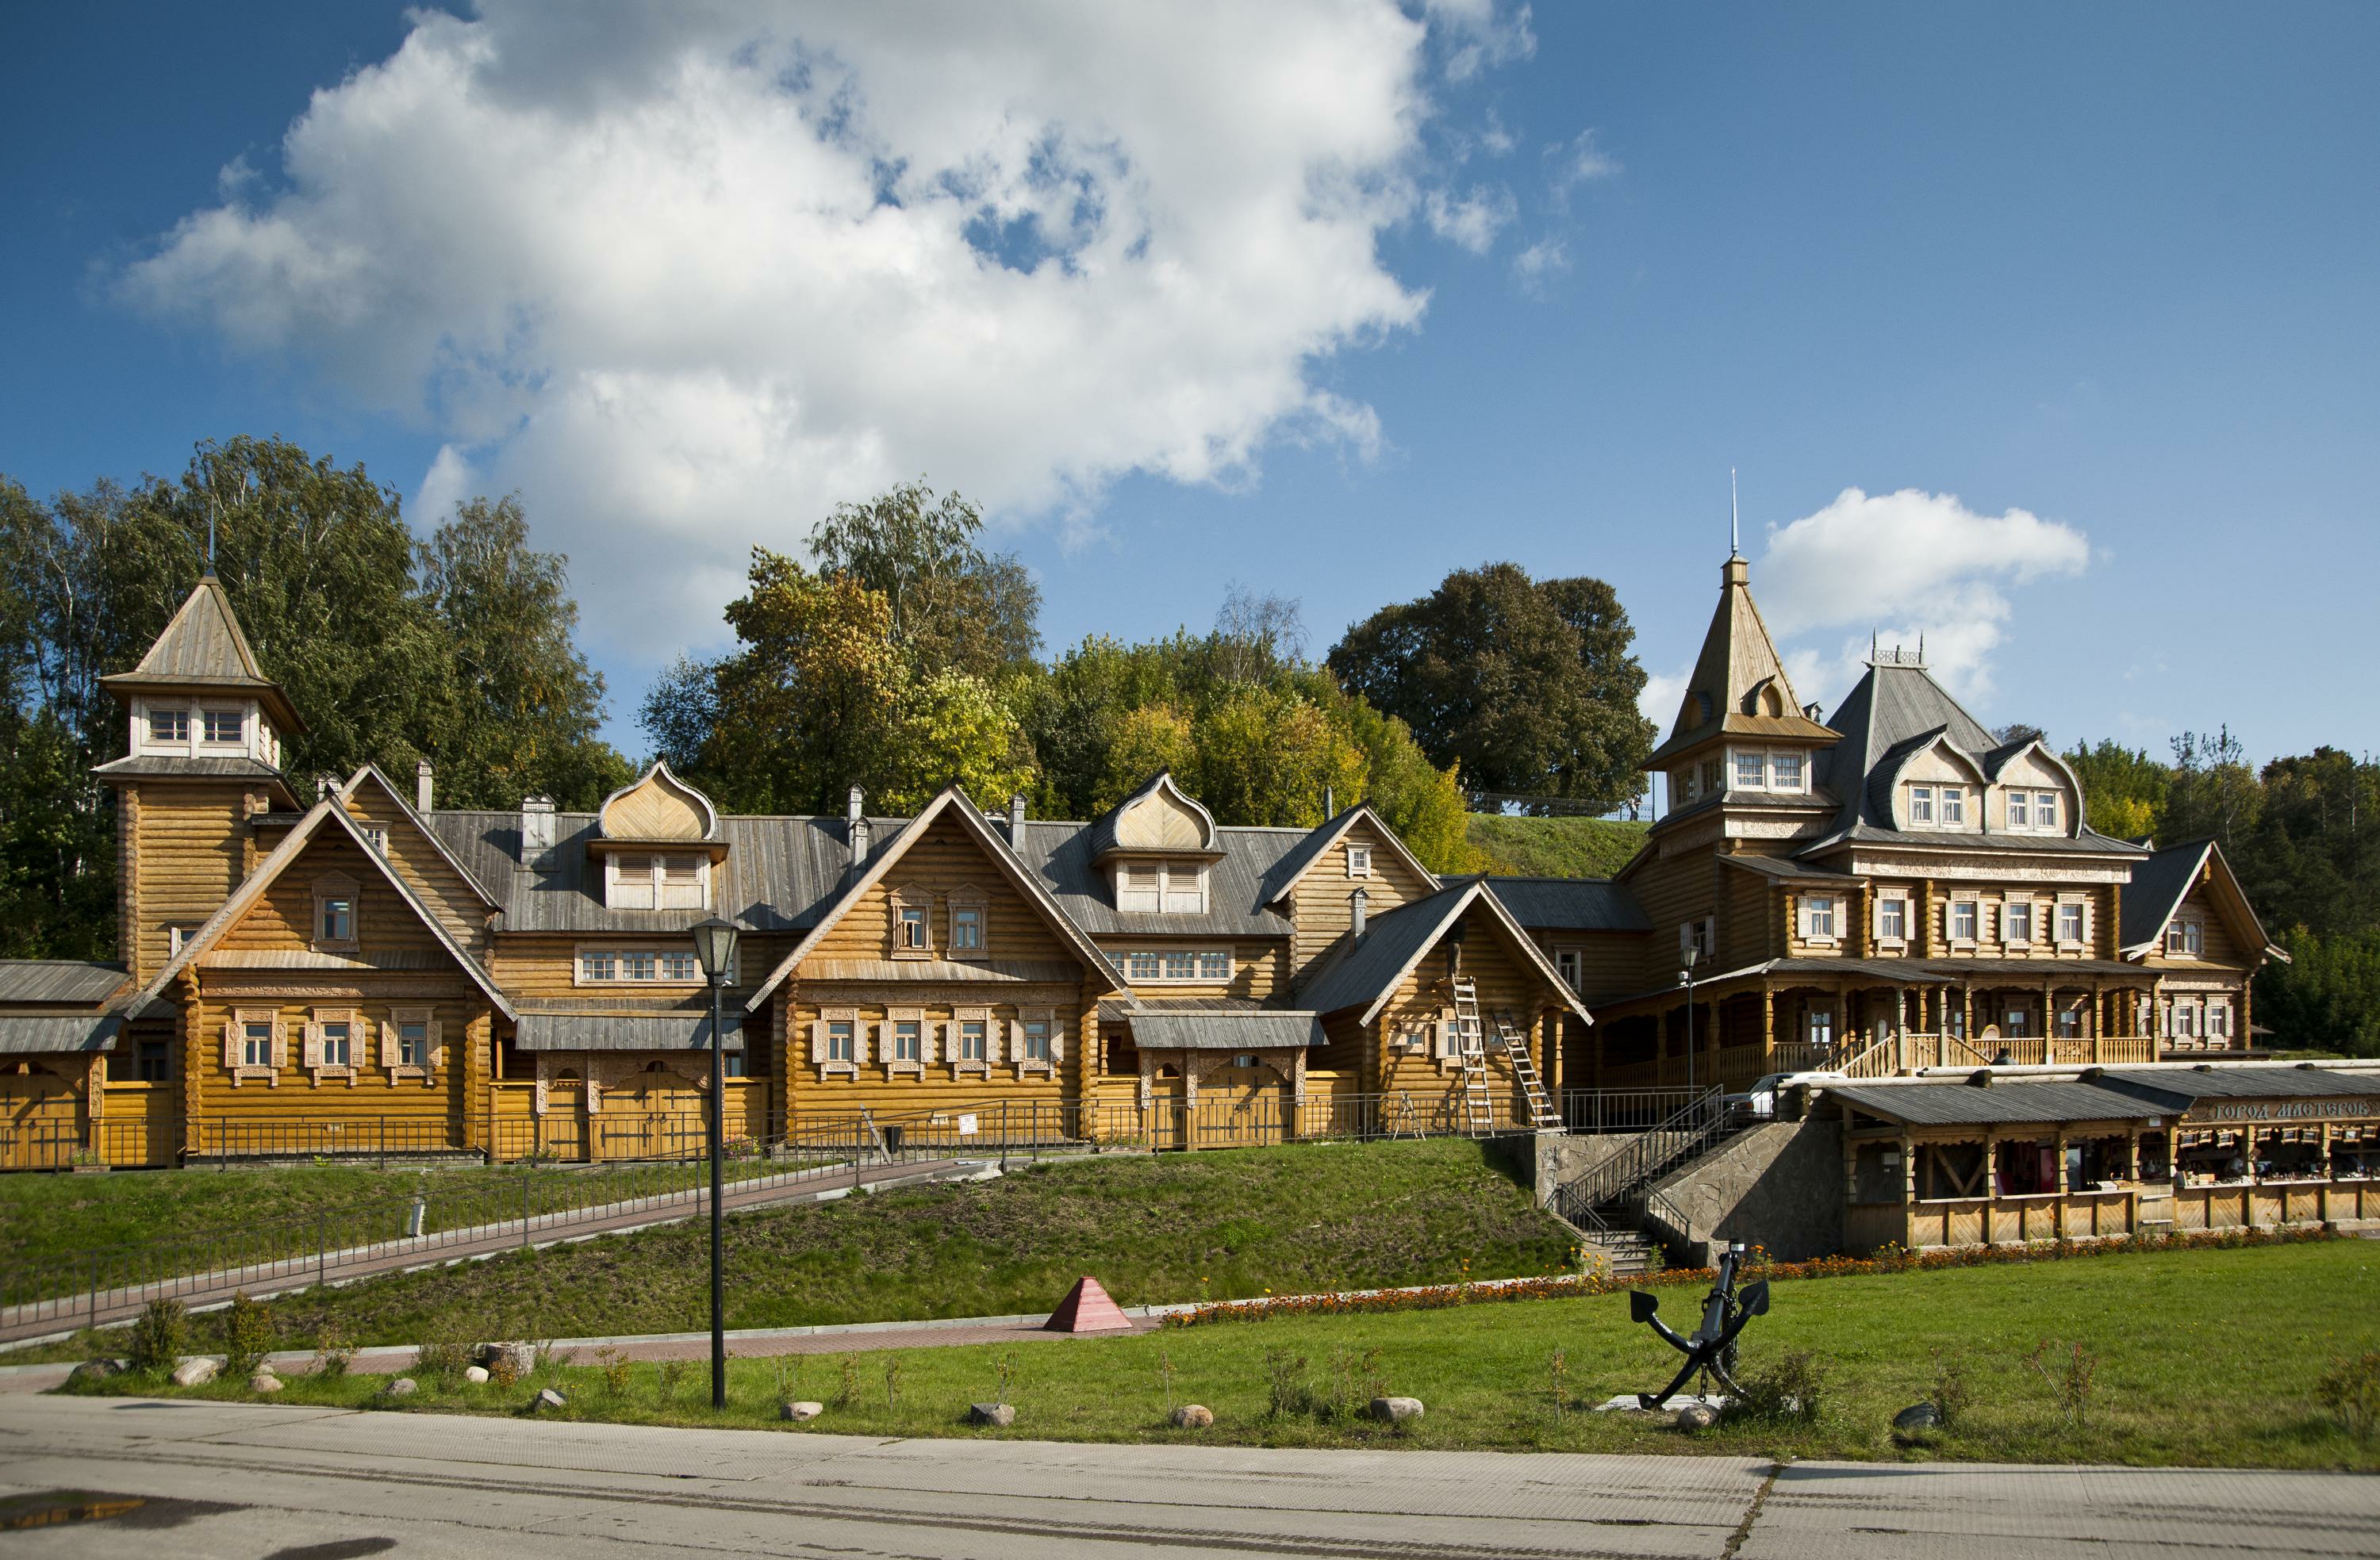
[967, 1126]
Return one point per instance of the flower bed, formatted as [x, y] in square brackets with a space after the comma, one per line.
[1892, 1259]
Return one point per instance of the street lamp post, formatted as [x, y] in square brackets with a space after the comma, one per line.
[715, 949]
[1686, 978]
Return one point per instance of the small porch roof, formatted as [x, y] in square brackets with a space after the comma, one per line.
[2001, 1103]
[24, 1034]
[610, 1030]
[1225, 1030]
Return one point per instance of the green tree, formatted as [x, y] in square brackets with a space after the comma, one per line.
[527, 705]
[1269, 755]
[951, 605]
[2123, 788]
[1525, 687]
[820, 697]
[2312, 856]
[2328, 997]
[2214, 793]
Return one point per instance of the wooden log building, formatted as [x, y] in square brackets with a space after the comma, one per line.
[343, 967]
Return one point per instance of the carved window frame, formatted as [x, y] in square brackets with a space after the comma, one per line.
[328, 888]
[235, 1041]
[318, 1021]
[888, 1045]
[828, 1065]
[967, 897]
[900, 900]
[962, 1066]
[1037, 1067]
[392, 1043]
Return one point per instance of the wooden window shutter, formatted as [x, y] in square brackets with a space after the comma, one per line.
[434, 1038]
[858, 1042]
[313, 1046]
[818, 1043]
[925, 1039]
[231, 1042]
[1057, 1036]
[280, 1044]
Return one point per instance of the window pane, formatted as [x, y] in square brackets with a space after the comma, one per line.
[971, 1040]
[967, 928]
[596, 966]
[1751, 770]
[1214, 965]
[1921, 804]
[221, 725]
[1954, 805]
[256, 1045]
[838, 1042]
[2020, 814]
[334, 1044]
[1181, 965]
[636, 966]
[1785, 771]
[169, 725]
[2045, 810]
[1037, 1041]
[680, 966]
[413, 1044]
[1141, 965]
[904, 1041]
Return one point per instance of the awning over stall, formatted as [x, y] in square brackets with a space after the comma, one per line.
[2029, 1104]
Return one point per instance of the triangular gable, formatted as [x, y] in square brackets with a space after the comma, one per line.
[1375, 986]
[371, 772]
[326, 814]
[953, 801]
[1286, 872]
[2207, 859]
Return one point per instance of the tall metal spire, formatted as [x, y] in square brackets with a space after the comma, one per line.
[1734, 520]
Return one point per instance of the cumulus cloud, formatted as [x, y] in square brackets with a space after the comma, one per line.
[1580, 159]
[685, 275]
[1904, 565]
[1536, 267]
[1470, 221]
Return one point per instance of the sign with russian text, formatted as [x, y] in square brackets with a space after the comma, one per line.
[2367, 1109]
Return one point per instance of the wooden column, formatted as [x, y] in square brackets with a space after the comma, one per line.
[2061, 1184]
[1991, 1185]
[2322, 1197]
[1768, 1027]
[1908, 1191]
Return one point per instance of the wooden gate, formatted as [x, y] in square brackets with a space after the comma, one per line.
[40, 1118]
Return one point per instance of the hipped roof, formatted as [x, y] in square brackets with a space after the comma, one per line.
[1738, 657]
[203, 648]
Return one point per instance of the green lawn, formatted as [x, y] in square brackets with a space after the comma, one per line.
[2205, 1357]
[48, 1218]
[1152, 1229]
[1553, 847]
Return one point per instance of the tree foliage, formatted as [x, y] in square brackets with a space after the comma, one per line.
[821, 695]
[951, 606]
[470, 664]
[1527, 687]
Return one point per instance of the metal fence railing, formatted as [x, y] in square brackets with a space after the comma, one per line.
[1620, 1110]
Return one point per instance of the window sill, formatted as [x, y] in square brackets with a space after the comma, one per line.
[972, 1069]
[321, 1073]
[350, 947]
[404, 1071]
[827, 1070]
[1031, 1069]
[271, 1076]
[905, 1070]
[917, 953]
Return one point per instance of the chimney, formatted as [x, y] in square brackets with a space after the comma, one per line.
[1330, 801]
[421, 788]
[324, 785]
[855, 828]
[1016, 816]
[1355, 914]
[536, 829]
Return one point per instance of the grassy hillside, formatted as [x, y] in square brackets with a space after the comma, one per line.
[1554, 847]
[1152, 1229]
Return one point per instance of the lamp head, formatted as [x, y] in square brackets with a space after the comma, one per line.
[714, 948]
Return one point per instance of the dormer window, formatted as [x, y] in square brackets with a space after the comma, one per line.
[1752, 771]
[1176, 888]
[658, 882]
[169, 727]
[1954, 806]
[2020, 809]
[1784, 771]
[222, 727]
[1359, 860]
[1920, 804]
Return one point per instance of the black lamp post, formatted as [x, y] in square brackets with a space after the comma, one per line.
[1686, 978]
[715, 949]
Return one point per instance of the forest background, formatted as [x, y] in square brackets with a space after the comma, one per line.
[902, 657]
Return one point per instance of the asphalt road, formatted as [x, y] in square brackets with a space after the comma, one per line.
[296, 1484]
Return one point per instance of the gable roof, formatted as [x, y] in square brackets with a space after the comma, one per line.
[953, 801]
[1568, 904]
[203, 647]
[329, 813]
[1366, 972]
[2160, 886]
[372, 772]
[1301, 858]
[1737, 659]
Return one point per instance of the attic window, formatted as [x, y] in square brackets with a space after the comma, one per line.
[169, 727]
[1359, 860]
[658, 882]
[1176, 888]
[2183, 940]
[222, 727]
[334, 914]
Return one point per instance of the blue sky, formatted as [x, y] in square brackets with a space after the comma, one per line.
[2079, 298]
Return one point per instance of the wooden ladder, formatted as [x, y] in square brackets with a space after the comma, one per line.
[1471, 1050]
[1542, 1116]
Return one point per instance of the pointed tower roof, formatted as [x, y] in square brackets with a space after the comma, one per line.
[1739, 687]
[203, 648]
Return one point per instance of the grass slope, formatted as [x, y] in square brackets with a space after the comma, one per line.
[2206, 1358]
[46, 1219]
[1553, 847]
[1152, 1229]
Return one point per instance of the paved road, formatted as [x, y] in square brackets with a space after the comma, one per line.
[297, 1483]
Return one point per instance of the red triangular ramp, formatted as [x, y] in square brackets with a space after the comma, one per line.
[1088, 1309]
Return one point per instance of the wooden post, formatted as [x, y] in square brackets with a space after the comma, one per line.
[2061, 1184]
[1991, 1185]
[1768, 1027]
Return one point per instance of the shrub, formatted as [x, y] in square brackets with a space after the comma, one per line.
[612, 1364]
[157, 1337]
[503, 1368]
[248, 1334]
[334, 1349]
[447, 1352]
[848, 1392]
[2072, 1374]
[671, 1374]
[2352, 1392]
[1791, 1391]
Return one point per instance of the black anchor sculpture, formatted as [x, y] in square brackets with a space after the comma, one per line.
[1712, 1349]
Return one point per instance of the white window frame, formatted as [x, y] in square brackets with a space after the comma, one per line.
[1817, 908]
[1777, 778]
[247, 1065]
[2013, 910]
[1571, 965]
[178, 716]
[2045, 812]
[1156, 966]
[962, 1064]
[619, 964]
[1973, 911]
[640, 880]
[256, 1048]
[1954, 806]
[1920, 805]
[1755, 778]
[2019, 810]
[2078, 913]
[205, 727]
[1359, 860]
[1896, 907]
[2219, 1017]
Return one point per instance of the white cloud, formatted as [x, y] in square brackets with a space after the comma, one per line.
[685, 276]
[1536, 267]
[1472, 220]
[1580, 160]
[1906, 565]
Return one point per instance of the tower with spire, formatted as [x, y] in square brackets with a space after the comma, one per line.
[203, 754]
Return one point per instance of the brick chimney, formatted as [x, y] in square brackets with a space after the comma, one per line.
[422, 786]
